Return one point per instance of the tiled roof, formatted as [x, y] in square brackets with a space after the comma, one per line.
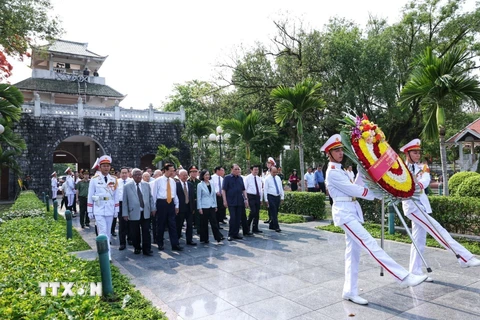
[70, 47]
[472, 128]
[68, 87]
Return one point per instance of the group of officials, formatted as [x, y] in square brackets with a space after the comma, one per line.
[174, 200]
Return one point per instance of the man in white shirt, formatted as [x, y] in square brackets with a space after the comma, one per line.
[350, 173]
[164, 191]
[217, 181]
[273, 196]
[310, 180]
[254, 187]
[123, 227]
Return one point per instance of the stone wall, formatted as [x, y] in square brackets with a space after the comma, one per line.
[125, 141]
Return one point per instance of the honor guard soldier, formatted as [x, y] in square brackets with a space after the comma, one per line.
[419, 212]
[54, 184]
[102, 199]
[69, 188]
[348, 215]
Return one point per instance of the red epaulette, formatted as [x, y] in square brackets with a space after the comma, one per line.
[332, 167]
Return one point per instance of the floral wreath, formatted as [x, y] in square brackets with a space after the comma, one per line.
[385, 172]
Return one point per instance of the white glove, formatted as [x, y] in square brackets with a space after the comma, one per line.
[91, 216]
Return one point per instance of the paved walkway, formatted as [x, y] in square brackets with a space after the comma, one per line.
[296, 274]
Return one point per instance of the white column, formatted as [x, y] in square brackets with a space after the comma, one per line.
[37, 111]
[81, 112]
[150, 113]
[117, 110]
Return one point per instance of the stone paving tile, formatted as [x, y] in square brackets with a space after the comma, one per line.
[199, 306]
[314, 315]
[276, 308]
[245, 294]
[313, 297]
[230, 314]
[220, 282]
[283, 284]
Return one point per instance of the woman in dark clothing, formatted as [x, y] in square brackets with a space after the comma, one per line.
[294, 180]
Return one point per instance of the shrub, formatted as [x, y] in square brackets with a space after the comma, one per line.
[305, 204]
[457, 179]
[470, 187]
[27, 205]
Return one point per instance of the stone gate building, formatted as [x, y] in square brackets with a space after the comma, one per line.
[71, 116]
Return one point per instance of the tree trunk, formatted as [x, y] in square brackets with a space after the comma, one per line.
[443, 158]
[302, 164]
[247, 151]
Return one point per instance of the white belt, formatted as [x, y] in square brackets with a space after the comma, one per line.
[344, 199]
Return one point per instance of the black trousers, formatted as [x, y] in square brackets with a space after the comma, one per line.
[123, 228]
[221, 210]
[144, 225]
[273, 205]
[312, 189]
[153, 226]
[114, 225]
[209, 214]
[84, 220]
[182, 216]
[322, 187]
[166, 217]
[254, 204]
[235, 219]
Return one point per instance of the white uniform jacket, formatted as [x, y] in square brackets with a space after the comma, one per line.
[69, 185]
[422, 177]
[54, 184]
[103, 196]
[345, 208]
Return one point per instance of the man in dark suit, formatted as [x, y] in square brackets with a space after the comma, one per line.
[137, 205]
[186, 199]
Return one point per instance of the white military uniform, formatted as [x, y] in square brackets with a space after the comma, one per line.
[423, 222]
[103, 200]
[69, 190]
[54, 184]
[347, 214]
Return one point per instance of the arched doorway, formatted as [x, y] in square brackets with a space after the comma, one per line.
[79, 150]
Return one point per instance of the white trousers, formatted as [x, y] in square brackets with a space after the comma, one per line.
[356, 238]
[54, 194]
[104, 224]
[70, 198]
[423, 223]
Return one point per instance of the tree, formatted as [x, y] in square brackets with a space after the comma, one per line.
[23, 24]
[440, 83]
[11, 145]
[293, 105]
[248, 127]
[195, 131]
[165, 154]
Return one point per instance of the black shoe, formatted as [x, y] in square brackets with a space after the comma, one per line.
[83, 227]
[122, 247]
[248, 234]
[177, 248]
[148, 253]
[278, 230]
[222, 238]
[238, 237]
[137, 251]
[191, 243]
[257, 231]
[114, 234]
[266, 221]
[160, 247]
[229, 239]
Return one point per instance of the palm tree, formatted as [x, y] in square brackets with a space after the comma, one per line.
[439, 83]
[197, 129]
[248, 127]
[292, 106]
[11, 145]
[165, 154]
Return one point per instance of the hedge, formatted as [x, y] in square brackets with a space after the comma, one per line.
[35, 250]
[456, 214]
[457, 179]
[27, 205]
[470, 187]
[304, 203]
